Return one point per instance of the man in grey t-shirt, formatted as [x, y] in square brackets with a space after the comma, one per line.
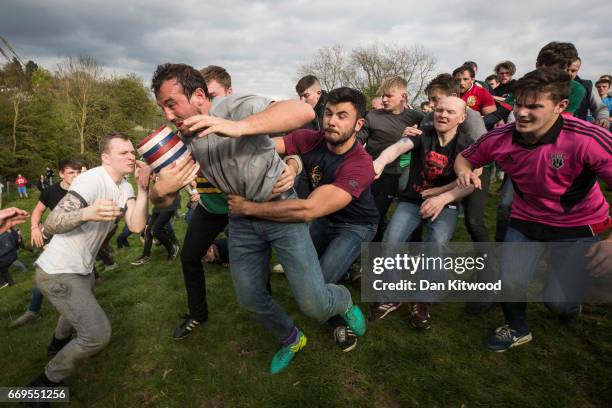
[230, 139]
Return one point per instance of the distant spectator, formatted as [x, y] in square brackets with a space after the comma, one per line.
[218, 81]
[476, 97]
[603, 89]
[492, 81]
[483, 84]
[591, 102]
[505, 71]
[21, 183]
[41, 184]
[49, 176]
[426, 107]
[309, 90]
[377, 103]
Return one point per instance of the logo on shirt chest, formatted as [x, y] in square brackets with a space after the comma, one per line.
[471, 101]
[557, 160]
[315, 176]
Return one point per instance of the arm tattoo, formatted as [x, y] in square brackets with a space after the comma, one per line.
[66, 216]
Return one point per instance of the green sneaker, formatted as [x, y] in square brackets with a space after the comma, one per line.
[355, 320]
[283, 357]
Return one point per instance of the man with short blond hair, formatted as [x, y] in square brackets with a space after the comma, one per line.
[383, 128]
[80, 223]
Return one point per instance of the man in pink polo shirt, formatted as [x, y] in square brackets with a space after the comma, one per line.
[554, 162]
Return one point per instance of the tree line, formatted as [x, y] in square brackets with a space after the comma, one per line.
[366, 67]
[46, 115]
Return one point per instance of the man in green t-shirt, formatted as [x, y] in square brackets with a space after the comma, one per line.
[560, 55]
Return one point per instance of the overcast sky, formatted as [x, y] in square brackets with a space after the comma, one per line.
[261, 43]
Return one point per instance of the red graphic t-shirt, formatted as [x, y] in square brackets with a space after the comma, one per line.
[478, 98]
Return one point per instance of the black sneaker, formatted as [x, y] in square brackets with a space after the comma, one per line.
[41, 382]
[185, 328]
[56, 345]
[380, 310]
[419, 316]
[174, 253]
[345, 338]
[504, 338]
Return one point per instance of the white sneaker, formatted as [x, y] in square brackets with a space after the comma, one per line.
[278, 268]
[28, 317]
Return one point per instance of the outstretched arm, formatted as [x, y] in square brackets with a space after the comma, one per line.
[432, 207]
[71, 212]
[278, 117]
[36, 236]
[466, 176]
[324, 200]
[391, 153]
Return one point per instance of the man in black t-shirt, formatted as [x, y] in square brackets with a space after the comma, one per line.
[505, 71]
[383, 128]
[430, 198]
[69, 169]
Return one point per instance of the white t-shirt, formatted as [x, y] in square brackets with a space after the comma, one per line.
[76, 250]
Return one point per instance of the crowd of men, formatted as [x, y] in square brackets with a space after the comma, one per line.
[315, 194]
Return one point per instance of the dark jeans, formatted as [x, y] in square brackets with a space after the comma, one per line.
[5, 276]
[201, 232]
[384, 191]
[158, 228]
[503, 209]
[518, 265]
[122, 238]
[474, 206]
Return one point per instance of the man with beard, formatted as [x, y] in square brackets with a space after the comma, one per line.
[341, 206]
[229, 137]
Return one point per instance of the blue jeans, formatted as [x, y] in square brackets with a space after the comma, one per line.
[518, 264]
[338, 245]
[407, 218]
[249, 244]
[37, 298]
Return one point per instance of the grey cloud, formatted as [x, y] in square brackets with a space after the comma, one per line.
[262, 43]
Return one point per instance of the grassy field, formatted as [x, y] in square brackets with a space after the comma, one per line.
[225, 362]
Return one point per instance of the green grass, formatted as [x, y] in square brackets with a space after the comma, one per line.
[225, 363]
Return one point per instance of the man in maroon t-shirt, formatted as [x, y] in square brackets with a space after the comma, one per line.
[474, 95]
[341, 206]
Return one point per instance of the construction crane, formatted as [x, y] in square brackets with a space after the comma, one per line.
[9, 50]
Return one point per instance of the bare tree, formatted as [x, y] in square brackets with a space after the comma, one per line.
[79, 79]
[368, 66]
[329, 65]
[18, 99]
